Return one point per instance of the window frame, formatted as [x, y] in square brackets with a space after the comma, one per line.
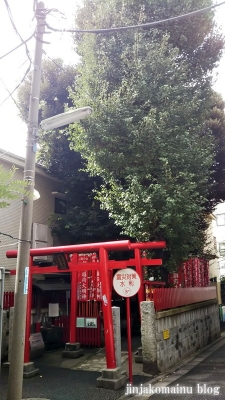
[217, 218]
[222, 250]
[60, 206]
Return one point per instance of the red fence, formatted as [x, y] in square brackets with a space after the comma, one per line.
[8, 300]
[90, 336]
[85, 336]
[177, 297]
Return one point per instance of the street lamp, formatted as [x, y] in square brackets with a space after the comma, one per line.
[65, 118]
[15, 380]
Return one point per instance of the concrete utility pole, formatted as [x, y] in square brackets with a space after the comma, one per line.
[15, 382]
[2, 284]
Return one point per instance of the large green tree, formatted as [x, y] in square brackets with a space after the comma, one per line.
[84, 220]
[149, 138]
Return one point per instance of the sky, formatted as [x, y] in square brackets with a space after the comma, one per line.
[12, 68]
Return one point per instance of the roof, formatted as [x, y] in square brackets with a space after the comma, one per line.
[18, 161]
[52, 285]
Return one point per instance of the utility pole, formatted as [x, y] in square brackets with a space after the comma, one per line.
[15, 382]
[2, 284]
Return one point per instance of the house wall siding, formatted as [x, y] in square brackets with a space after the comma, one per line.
[10, 217]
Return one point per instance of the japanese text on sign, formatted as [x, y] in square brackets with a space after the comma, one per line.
[126, 282]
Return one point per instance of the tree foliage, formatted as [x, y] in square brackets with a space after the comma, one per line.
[10, 188]
[151, 135]
[84, 220]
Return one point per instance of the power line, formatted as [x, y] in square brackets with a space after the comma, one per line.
[12, 237]
[17, 47]
[1, 155]
[57, 65]
[10, 95]
[19, 84]
[15, 29]
[149, 24]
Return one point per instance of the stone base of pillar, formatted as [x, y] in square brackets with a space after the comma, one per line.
[28, 369]
[72, 350]
[138, 358]
[112, 379]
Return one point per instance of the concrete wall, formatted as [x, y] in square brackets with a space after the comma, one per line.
[5, 334]
[189, 328]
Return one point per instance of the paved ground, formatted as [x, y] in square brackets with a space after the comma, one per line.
[74, 379]
[64, 384]
[69, 382]
[203, 378]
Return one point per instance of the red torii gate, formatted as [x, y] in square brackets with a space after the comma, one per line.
[104, 266]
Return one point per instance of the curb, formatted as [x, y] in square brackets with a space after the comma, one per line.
[209, 349]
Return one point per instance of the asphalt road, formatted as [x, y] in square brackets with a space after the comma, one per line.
[206, 381]
[65, 384]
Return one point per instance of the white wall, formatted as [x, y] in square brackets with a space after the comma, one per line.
[10, 217]
[212, 249]
[219, 233]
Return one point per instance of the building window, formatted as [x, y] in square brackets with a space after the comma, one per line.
[220, 219]
[222, 249]
[60, 206]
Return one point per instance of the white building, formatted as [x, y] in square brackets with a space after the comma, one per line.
[219, 234]
[50, 202]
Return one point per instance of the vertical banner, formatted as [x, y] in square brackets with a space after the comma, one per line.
[84, 285]
[82, 279]
[79, 285]
[196, 272]
[98, 287]
[92, 288]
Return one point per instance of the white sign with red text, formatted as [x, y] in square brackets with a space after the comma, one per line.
[126, 282]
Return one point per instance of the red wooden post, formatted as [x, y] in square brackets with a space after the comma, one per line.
[139, 270]
[28, 316]
[107, 310]
[73, 303]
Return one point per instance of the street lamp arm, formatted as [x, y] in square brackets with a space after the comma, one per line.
[65, 118]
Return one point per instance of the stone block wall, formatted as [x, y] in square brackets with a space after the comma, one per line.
[5, 335]
[189, 329]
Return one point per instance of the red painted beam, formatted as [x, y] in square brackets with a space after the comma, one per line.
[152, 262]
[77, 248]
[89, 247]
[147, 245]
[93, 266]
[132, 263]
[12, 271]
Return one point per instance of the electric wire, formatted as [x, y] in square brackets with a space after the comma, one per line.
[17, 47]
[19, 84]
[57, 65]
[14, 238]
[15, 29]
[5, 152]
[14, 100]
[146, 25]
